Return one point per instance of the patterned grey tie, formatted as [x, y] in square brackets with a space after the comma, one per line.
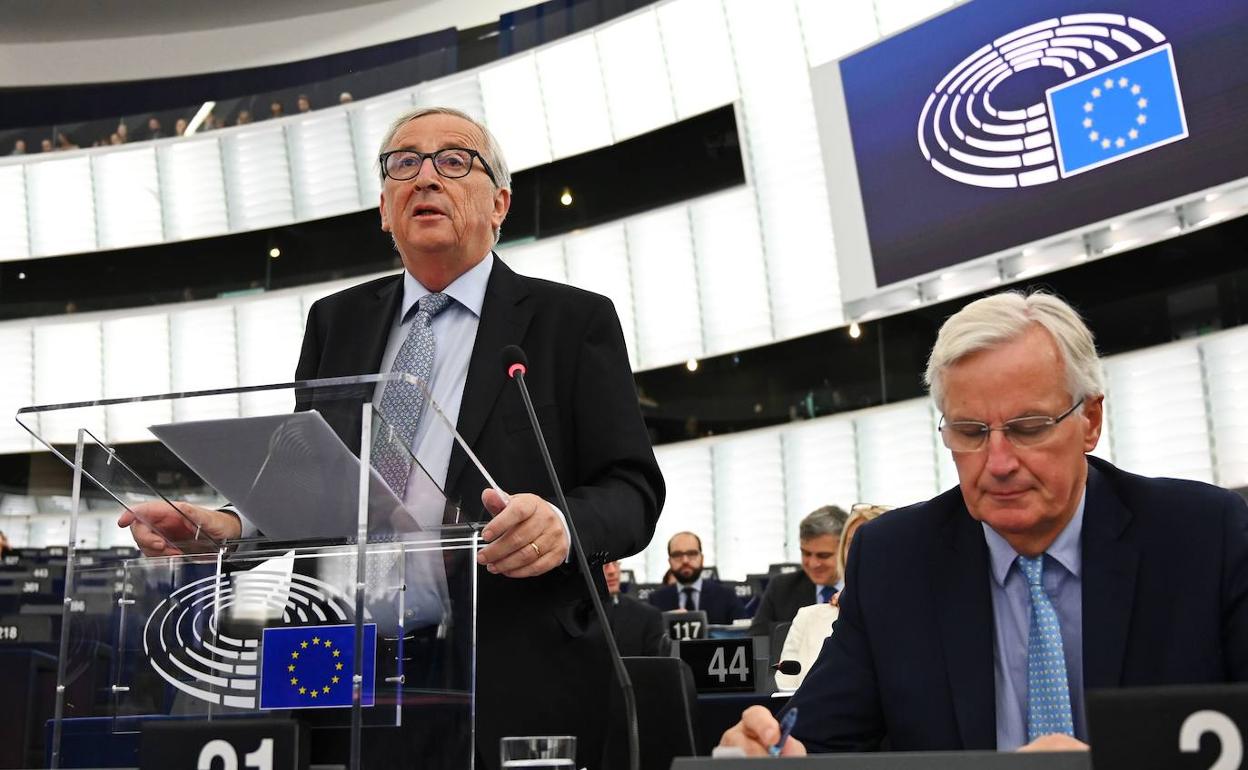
[403, 403]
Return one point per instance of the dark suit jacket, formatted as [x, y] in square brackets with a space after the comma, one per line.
[722, 605]
[785, 595]
[638, 627]
[538, 671]
[1165, 601]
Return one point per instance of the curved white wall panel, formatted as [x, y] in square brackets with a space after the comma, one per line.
[257, 174]
[193, 188]
[574, 95]
[127, 198]
[61, 205]
[512, 95]
[322, 166]
[732, 279]
[699, 55]
[597, 261]
[136, 363]
[665, 279]
[14, 235]
[638, 90]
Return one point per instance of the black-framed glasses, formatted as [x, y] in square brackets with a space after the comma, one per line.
[972, 436]
[678, 555]
[450, 162]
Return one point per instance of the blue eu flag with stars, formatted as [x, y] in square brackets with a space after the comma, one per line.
[1117, 111]
[311, 666]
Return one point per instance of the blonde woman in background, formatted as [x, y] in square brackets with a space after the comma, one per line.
[813, 624]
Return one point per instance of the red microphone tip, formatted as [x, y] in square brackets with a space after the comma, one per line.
[516, 368]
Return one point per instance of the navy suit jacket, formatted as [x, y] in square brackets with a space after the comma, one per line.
[910, 660]
[722, 605]
[785, 595]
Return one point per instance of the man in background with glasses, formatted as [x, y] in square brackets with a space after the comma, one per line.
[978, 619]
[692, 590]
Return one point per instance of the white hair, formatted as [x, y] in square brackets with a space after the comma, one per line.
[492, 153]
[995, 320]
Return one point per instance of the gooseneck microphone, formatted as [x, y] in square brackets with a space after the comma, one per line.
[788, 667]
[516, 365]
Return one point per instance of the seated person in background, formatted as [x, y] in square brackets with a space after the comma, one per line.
[638, 628]
[813, 623]
[5, 548]
[817, 581]
[1045, 564]
[692, 591]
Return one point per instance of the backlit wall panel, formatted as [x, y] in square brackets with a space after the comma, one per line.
[14, 232]
[574, 96]
[127, 198]
[270, 332]
[258, 177]
[732, 280]
[61, 206]
[699, 55]
[204, 357]
[749, 503]
[193, 189]
[665, 278]
[1226, 377]
[897, 453]
[634, 70]
[820, 468]
[597, 261]
[69, 368]
[322, 166]
[136, 363]
[787, 174]
[514, 111]
[1157, 404]
[17, 385]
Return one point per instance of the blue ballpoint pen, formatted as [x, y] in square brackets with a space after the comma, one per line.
[786, 728]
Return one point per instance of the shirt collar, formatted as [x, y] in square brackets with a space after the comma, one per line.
[695, 585]
[468, 289]
[1064, 550]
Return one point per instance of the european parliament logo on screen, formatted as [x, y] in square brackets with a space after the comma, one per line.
[1117, 112]
[1119, 97]
[312, 666]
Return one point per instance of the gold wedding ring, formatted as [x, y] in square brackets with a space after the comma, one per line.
[536, 551]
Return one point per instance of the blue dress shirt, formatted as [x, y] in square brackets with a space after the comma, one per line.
[1011, 612]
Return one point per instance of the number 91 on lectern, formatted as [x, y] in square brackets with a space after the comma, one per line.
[720, 665]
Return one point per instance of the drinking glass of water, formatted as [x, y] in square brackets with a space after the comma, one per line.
[540, 752]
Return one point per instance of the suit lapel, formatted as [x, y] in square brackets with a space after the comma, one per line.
[964, 616]
[1109, 570]
[375, 325]
[504, 320]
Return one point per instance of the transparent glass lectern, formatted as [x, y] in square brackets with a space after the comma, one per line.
[346, 603]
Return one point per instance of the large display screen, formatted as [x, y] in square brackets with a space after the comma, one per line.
[1000, 124]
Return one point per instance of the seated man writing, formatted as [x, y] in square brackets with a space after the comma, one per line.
[978, 619]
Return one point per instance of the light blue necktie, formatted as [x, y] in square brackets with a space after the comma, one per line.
[1048, 692]
[402, 403]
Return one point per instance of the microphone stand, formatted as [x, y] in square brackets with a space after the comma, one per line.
[516, 372]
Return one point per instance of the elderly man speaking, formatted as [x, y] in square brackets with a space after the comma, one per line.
[978, 619]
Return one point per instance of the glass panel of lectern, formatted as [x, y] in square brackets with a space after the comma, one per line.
[346, 602]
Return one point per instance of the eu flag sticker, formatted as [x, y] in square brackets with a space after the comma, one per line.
[311, 666]
[1116, 112]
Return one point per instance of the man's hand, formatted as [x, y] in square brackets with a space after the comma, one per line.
[757, 732]
[153, 525]
[1055, 742]
[526, 537]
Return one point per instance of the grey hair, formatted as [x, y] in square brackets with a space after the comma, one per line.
[1000, 318]
[827, 520]
[492, 152]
